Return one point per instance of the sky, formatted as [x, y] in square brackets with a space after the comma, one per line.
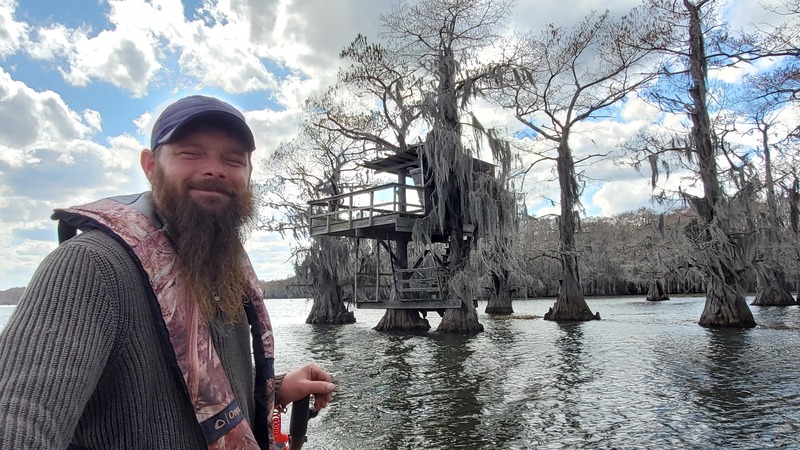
[81, 82]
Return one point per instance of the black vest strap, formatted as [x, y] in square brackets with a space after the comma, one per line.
[265, 368]
[65, 231]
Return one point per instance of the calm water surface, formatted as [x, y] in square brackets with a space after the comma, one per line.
[646, 376]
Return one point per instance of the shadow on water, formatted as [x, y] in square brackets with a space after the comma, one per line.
[325, 342]
[563, 404]
[504, 395]
[726, 370]
[448, 415]
[739, 391]
[779, 318]
[396, 398]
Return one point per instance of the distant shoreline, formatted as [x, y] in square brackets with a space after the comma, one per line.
[10, 297]
[8, 302]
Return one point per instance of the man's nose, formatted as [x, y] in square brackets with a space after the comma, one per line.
[215, 167]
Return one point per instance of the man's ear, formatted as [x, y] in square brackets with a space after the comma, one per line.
[148, 161]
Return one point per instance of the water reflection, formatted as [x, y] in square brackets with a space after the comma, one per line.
[571, 374]
[722, 390]
[785, 318]
[450, 417]
[505, 395]
[740, 391]
[324, 342]
[396, 400]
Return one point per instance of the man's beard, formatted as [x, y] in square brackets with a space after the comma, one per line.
[208, 244]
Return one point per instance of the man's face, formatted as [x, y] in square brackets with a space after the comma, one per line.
[201, 186]
[207, 165]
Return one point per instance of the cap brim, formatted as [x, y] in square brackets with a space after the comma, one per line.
[236, 125]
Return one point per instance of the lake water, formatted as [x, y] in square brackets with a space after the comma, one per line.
[646, 376]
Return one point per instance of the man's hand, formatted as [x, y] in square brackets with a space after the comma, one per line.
[309, 379]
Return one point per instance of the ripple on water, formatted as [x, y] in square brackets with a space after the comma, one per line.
[646, 376]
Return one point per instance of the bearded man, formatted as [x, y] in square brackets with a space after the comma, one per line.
[147, 330]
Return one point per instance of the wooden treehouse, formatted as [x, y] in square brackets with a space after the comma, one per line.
[387, 214]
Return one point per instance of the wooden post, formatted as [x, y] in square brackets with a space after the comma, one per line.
[371, 206]
[350, 211]
[328, 216]
[355, 278]
[377, 269]
[401, 190]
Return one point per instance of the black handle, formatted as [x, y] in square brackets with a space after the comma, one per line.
[298, 423]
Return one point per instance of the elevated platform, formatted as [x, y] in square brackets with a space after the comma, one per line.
[388, 211]
[384, 213]
[413, 288]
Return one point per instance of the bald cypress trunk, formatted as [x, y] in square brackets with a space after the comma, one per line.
[719, 255]
[460, 320]
[403, 320]
[656, 292]
[328, 308]
[725, 306]
[570, 303]
[453, 168]
[772, 288]
[499, 295]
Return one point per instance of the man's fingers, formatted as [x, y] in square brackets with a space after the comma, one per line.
[322, 391]
[321, 387]
[320, 402]
[317, 373]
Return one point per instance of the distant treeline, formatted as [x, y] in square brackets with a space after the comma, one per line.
[11, 296]
[272, 289]
[287, 288]
[619, 255]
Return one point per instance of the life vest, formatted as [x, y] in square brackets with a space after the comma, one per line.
[185, 336]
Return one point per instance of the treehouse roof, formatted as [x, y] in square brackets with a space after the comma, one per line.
[405, 159]
[395, 162]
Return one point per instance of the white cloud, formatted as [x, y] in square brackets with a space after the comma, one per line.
[636, 108]
[48, 160]
[12, 33]
[746, 14]
[30, 119]
[93, 120]
[310, 34]
[615, 197]
[535, 15]
[270, 255]
[272, 128]
[125, 58]
[221, 56]
[54, 41]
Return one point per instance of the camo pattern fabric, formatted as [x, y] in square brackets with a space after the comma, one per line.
[209, 390]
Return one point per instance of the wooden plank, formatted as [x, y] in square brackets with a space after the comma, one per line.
[419, 289]
[414, 304]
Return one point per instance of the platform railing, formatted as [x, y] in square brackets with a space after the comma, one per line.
[367, 204]
[420, 280]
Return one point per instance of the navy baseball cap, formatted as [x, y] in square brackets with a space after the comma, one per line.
[189, 109]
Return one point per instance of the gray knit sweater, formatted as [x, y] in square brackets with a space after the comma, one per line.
[81, 363]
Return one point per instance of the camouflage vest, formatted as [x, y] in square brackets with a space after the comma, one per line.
[185, 335]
